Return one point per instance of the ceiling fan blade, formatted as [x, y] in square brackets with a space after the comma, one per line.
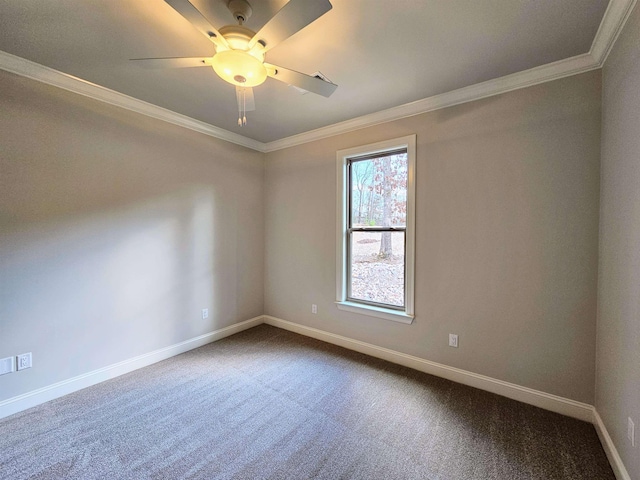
[291, 18]
[193, 15]
[249, 101]
[172, 62]
[300, 80]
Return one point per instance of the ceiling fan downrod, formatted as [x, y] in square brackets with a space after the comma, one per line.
[240, 9]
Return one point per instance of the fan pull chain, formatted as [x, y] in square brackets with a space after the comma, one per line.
[242, 107]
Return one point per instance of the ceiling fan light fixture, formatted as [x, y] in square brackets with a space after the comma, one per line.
[240, 52]
[239, 68]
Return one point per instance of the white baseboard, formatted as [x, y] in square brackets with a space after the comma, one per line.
[50, 392]
[610, 449]
[554, 403]
[547, 401]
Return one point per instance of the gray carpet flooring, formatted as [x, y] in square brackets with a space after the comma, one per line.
[270, 404]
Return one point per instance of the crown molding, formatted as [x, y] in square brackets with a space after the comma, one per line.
[613, 21]
[544, 73]
[35, 71]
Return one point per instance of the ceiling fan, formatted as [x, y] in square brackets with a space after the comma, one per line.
[240, 52]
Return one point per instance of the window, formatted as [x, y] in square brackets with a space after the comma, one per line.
[375, 234]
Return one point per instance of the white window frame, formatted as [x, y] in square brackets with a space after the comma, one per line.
[342, 159]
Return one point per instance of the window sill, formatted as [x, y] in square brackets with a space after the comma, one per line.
[379, 312]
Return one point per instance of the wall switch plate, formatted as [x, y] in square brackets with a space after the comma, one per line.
[7, 365]
[453, 340]
[24, 361]
[314, 308]
[205, 313]
[631, 431]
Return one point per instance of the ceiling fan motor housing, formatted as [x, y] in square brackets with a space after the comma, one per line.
[238, 37]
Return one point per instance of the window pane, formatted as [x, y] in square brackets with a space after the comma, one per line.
[379, 191]
[377, 267]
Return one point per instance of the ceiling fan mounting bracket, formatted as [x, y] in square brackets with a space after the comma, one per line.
[240, 9]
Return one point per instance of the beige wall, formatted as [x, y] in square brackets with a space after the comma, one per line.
[618, 347]
[115, 231]
[507, 236]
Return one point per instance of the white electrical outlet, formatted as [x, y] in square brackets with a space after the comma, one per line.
[314, 308]
[24, 361]
[205, 313]
[7, 365]
[631, 431]
[453, 340]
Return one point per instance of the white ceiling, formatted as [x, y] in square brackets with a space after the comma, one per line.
[381, 53]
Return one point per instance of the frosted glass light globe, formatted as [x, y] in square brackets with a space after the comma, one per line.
[239, 68]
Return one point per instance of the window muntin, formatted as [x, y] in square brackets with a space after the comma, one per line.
[355, 223]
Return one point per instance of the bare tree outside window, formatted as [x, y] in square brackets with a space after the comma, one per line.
[378, 207]
[362, 176]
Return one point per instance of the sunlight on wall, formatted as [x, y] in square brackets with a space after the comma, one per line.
[199, 259]
[161, 267]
